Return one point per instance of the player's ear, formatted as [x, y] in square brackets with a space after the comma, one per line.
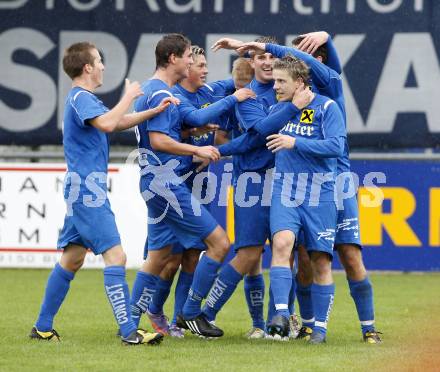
[87, 68]
[172, 59]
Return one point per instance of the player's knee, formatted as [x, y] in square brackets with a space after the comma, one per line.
[190, 261]
[221, 246]
[305, 275]
[321, 266]
[115, 257]
[282, 247]
[171, 267]
[351, 258]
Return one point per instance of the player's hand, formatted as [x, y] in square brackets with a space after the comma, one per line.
[208, 152]
[312, 41]
[133, 90]
[200, 131]
[226, 43]
[303, 96]
[166, 102]
[243, 94]
[251, 47]
[277, 142]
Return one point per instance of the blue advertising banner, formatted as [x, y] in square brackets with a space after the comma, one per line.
[388, 50]
[401, 230]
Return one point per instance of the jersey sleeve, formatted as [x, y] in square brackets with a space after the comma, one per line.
[221, 88]
[253, 116]
[242, 144]
[198, 117]
[320, 73]
[332, 57]
[160, 122]
[88, 106]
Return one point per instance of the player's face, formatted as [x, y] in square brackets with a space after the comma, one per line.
[262, 65]
[183, 64]
[284, 85]
[198, 71]
[97, 69]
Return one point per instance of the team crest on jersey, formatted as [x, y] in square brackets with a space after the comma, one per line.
[205, 105]
[307, 116]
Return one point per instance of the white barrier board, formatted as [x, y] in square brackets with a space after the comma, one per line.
[32, 211]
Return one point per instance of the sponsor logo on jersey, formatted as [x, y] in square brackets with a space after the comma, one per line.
[307, 116]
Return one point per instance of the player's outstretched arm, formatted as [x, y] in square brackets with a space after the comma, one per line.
[109, 121]
[313, 40]
[226, 43]
[164, 143]
[133, 119]
[198, 117]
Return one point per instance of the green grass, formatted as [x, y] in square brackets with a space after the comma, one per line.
[406, 306]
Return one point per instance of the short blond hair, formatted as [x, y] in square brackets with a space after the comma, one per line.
[295, 67]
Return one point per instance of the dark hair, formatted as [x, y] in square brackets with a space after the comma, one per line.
[267, 40]
[320, 52]
[76, 57]
[170, 44]
[295, 67]
[197, 51]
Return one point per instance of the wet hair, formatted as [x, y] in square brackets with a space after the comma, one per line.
[267, 40]
[76, 57]
[170, 44]
[295, 67]
[242, 72]
[320, 52]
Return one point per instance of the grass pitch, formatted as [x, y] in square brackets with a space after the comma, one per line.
[407, 312]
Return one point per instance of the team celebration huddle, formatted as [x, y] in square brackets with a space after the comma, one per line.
[282, 119]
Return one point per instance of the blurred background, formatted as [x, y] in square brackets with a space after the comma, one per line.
[389, 53]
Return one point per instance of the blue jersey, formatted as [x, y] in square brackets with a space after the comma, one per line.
[247, 114]
[319, 137]
[326, 82]
[86, 148]
[168, 122]
[205, 96]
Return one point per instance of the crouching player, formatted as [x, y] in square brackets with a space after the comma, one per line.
[90, 222]
[306, 158]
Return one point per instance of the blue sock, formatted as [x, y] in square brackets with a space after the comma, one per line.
[362, 293]
[221, 291]
[304, 296]
[322, 299]
[292, 295]
[117, 292]
[280, 283]
[143, 290]
[181, 293]
[204, 277]
[56, 289]
[163, 288]
[271, 306]
[254, 292]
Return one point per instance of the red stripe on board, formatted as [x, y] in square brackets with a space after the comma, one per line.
[28, 169]
[32, 250]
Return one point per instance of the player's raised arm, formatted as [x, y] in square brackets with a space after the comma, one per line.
[312, 41]
[226, 43]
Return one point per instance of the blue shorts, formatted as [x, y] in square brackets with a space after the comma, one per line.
[318, 223]
[347, 228]
[93, 228]
[180, 219]
[251, 223]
